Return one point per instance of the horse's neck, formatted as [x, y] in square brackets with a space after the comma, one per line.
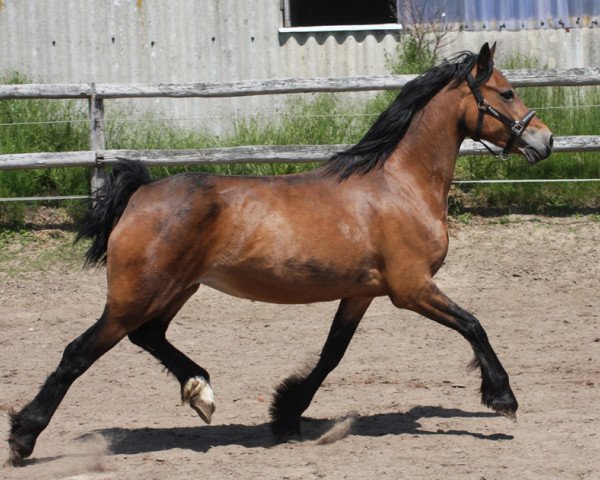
[428, 151]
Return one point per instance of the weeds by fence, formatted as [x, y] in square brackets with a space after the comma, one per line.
[58, 126]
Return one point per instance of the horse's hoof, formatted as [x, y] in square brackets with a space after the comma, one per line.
[20, 443]
[14, 460]
[506, 405]
[15, 457]
[284, 431]
[199, 395]
[510, 415]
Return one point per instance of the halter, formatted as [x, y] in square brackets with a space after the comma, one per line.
[517, 127]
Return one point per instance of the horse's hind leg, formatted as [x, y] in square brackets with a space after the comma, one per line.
[293, 395]
[194, 380]
[495, 388]
[79, 355]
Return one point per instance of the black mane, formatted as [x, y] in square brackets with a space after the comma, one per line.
[391, 125]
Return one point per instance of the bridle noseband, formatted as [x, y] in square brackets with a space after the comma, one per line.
[517, 127]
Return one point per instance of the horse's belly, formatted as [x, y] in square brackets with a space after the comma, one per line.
[295, 285]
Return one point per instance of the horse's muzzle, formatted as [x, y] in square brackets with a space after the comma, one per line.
[536, 145]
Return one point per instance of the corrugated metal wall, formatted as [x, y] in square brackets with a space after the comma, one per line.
[492, 15]
[127, 41]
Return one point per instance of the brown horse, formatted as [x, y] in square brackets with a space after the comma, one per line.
[370, 222]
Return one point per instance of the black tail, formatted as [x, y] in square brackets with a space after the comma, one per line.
[110, 202]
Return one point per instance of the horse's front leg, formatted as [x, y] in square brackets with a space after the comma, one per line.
[293, 395]
[495, 389]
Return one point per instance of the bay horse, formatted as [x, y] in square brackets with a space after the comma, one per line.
[370, 222]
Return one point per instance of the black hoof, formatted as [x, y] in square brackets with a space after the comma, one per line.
[17, 452]
[14, 460]
[285, 411]
[21, 440]
[505, 404]
[284, 430]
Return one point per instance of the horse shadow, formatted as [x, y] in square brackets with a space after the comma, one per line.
[129, 441]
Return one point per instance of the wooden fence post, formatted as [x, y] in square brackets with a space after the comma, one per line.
[97, 139]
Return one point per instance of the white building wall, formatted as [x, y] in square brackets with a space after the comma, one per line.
[130, 41]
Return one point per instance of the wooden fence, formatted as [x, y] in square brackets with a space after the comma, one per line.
[98, 156]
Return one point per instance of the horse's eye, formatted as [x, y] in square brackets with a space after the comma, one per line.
[508, 95]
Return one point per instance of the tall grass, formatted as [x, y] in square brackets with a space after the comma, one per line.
[52, 126]
[40, 126]
[322, 120]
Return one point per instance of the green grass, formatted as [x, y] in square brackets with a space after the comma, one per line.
[323, 119]
[41, 126]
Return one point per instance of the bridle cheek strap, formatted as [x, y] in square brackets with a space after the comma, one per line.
[517, 127]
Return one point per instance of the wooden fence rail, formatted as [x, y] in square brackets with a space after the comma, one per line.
[97, 157]
[519, 78]
[233, 155]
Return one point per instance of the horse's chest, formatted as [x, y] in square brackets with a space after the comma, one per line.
[418, 245]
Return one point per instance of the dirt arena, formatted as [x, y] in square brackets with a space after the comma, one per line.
[402, 404]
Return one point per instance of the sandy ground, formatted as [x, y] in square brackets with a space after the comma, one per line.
[405, 405]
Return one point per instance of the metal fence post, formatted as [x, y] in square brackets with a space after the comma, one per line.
[97, 139]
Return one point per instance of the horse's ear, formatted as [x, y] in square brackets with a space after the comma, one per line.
[485, 58]
[493, 51]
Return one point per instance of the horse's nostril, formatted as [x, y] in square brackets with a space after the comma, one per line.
[551, 141]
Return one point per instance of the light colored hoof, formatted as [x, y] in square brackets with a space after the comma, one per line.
[199, 395]
[510, 415]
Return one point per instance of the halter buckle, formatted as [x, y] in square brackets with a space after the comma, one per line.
[518, 127]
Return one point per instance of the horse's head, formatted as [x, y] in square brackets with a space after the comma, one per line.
[492, 111]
